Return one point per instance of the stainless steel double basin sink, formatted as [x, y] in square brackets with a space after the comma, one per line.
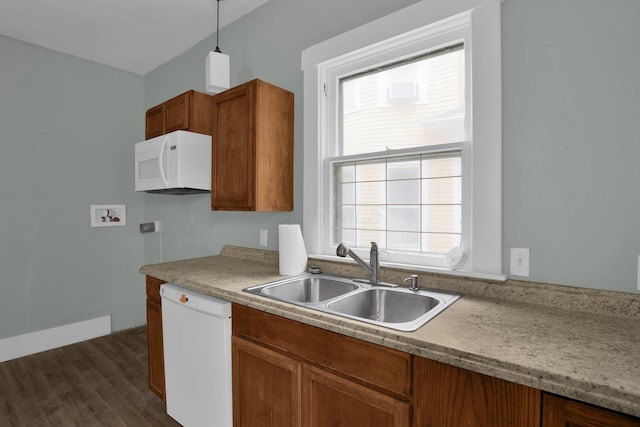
[384, 305]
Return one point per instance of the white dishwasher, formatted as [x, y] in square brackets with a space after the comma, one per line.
[196, 329]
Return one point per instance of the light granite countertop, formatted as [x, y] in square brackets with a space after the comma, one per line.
[583, 344]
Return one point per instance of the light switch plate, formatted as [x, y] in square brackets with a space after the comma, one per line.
[108, 215]
[264, 237]
[520, 262]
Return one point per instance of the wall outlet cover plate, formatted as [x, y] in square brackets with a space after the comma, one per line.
[108, 215]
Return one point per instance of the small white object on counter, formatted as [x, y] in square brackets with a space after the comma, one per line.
[293, 254]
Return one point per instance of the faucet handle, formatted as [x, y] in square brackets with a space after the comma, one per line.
[414, 282]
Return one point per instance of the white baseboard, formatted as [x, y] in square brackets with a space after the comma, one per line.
[35, 342]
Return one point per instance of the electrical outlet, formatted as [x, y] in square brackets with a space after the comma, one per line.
[520, 262]
[264, 237]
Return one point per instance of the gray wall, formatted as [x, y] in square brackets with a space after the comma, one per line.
[570, 130]
[571, 123]
[67, 128]
[265, 44]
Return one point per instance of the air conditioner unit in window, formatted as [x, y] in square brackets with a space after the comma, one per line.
[405, 92]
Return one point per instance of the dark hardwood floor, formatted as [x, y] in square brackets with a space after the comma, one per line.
[100, 382]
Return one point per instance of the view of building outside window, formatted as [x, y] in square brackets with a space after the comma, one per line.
[408, 203]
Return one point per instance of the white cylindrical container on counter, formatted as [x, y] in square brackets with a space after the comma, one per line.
[293, 254]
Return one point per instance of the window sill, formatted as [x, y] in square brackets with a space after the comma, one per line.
[420, 268]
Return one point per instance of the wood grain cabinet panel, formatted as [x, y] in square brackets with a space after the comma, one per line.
[332, 401]
[155, 352]
[379, 367]
[561, 412]
[266, 387]
[302, 375]
[188, 111]
[252, 156]
[447, 396]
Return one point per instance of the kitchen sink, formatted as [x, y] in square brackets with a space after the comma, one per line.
[308, 289]
[384, 305]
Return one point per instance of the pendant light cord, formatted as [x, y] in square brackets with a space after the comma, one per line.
[218, 28]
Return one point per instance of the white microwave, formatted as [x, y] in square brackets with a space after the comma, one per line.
[176, 163]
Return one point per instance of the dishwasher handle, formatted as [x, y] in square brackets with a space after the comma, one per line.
[207, 304]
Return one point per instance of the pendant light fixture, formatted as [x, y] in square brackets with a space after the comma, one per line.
[217, 65]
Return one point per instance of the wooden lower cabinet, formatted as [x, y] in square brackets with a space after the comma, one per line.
[286, 373]
[154, 337]
[266, 387]
[561, 412]
[329, 401]
[447, 396]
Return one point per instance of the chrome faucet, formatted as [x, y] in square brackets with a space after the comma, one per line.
[373, 268]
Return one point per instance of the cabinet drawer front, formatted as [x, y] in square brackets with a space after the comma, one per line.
[379, 366]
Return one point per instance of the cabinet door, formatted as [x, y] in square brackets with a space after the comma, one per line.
[332, 401]
[176, 113]
[266, 387]
[447, 396]
[561, 412]
[154, 123]
[155, 348]
[233, 161]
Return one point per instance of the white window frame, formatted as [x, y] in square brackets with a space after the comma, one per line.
[417, 28]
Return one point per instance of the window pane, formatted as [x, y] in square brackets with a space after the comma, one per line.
[347, 217]
[415, 103]
[365, 237]
[371, 170]
[441, 190]
[346, 193]
[403, 168]
[442, 218]
[409, 214]
[403, 192]
[371, 217]
[439, 243]
[345, 172]
[403, 218]
[437, 167]
[404, 241]
[371, 193]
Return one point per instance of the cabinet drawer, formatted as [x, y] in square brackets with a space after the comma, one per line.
[382, 367]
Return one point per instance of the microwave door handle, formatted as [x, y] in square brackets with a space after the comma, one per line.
[160, 162]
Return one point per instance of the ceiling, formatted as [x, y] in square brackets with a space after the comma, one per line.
[132, 35]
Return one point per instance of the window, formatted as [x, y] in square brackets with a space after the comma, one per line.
[402, 139]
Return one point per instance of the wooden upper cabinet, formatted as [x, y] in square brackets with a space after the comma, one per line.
[189, 111]
[561, 412]
[154, 125]
[252, 156]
